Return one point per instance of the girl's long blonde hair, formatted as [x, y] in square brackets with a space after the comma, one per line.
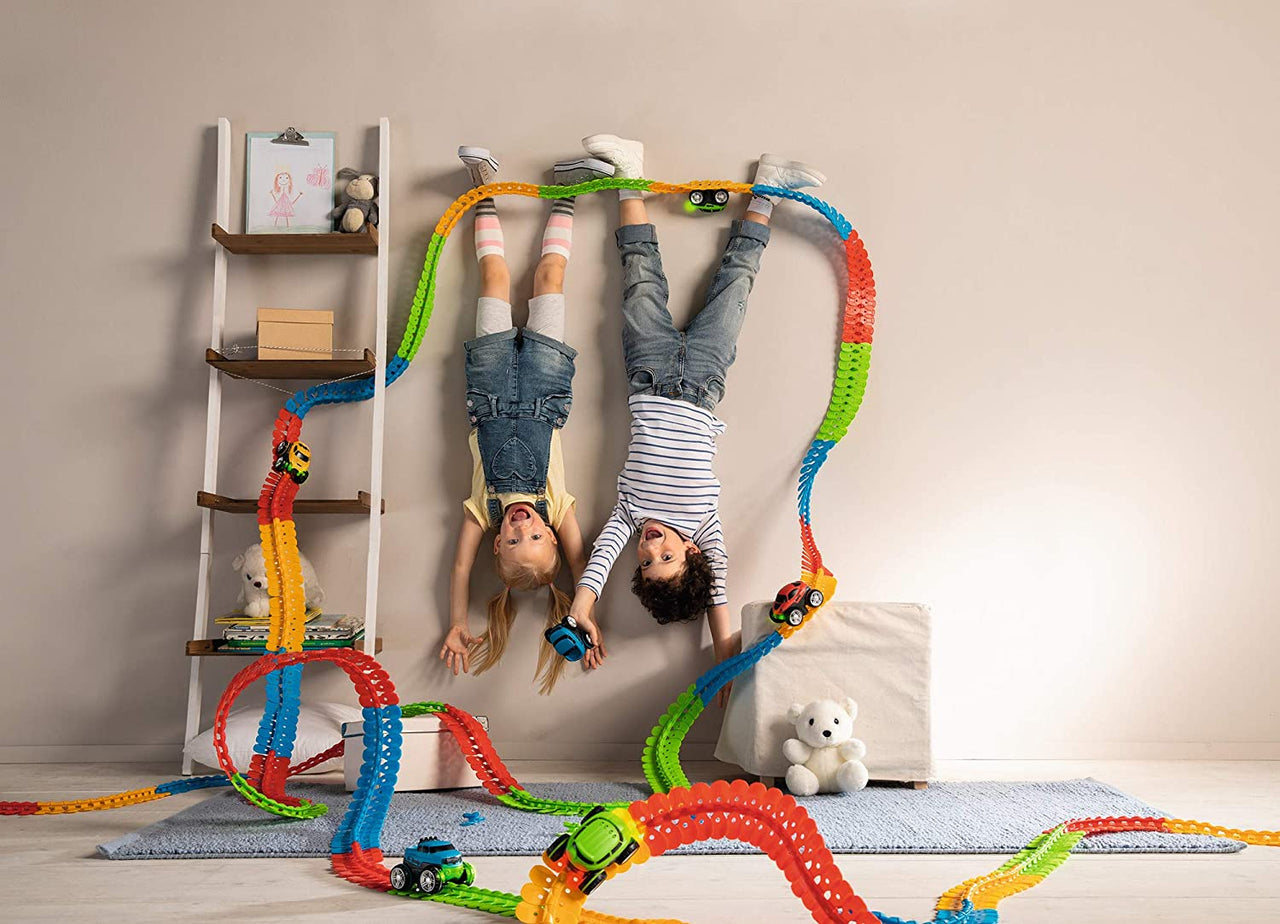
[502, 612]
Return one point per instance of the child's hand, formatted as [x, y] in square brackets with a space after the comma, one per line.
[595, 656]
[456, 650]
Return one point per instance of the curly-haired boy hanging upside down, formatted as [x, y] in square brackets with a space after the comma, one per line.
[667, 491]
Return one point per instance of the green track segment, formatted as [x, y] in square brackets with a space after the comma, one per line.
[847, 393]
[661, 757]
[489, 900]
[521, 799]
[267, 804]
[590, 186]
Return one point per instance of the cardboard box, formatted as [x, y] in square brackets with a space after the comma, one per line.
[294, 333]
[429, 756]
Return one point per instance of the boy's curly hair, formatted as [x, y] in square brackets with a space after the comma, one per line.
[683, 598]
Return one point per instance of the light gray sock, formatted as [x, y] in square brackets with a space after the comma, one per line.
[493, 315]
[546, 315]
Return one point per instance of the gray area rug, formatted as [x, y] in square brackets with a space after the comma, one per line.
[945, 818]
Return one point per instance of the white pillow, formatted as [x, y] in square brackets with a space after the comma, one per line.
[319, 728]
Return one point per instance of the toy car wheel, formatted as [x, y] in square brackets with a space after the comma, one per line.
[571, 622]
[795, 616]
[556, 850]
[468, 874]
[596, 810]
[627, 852]
[400, 876]
[429, 882]
[696, 197]
[722, 197]
[592, 882]
[815, 598]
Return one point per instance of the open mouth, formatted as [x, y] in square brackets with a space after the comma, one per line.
[518, 514]
[652, 532]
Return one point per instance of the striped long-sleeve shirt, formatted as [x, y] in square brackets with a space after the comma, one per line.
[667, 477]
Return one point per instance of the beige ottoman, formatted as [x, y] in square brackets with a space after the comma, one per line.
[878, 653]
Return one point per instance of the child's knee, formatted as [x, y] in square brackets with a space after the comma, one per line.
[494, 273]
[548, 276]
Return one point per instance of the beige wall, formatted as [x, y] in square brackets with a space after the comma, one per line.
[1069, 445]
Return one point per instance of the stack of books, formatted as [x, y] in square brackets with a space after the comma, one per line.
[323, 630]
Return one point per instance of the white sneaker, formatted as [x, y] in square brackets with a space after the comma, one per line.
[786, 174]
[626, 155]
[482, 165]
[580, 170]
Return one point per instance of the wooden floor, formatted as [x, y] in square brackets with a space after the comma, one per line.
[49, 871]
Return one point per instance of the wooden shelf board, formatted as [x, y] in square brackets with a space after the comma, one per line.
[323, 369]
[363, 242]
[217, 648]
[360, 505]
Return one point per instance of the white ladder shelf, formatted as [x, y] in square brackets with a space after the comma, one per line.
[214, 419]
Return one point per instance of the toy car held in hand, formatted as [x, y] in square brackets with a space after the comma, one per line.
[794, 602]
[569, 641]
[602, 840]
[708, 200]
[430, 866]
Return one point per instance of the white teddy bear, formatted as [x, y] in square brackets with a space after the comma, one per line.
[254, 600]
[825, 757]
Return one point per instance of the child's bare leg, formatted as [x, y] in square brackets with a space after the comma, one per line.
[632, 211]
[493, 310]
[546, 308]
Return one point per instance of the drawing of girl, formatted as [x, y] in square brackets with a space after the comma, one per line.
[282, 198]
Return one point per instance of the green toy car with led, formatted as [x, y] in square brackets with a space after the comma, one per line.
[430, 866]
[707, 200]
[601, 841]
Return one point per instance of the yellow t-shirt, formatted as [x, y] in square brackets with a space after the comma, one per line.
[559, 501]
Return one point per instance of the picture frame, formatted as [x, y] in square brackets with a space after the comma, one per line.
[289, 182]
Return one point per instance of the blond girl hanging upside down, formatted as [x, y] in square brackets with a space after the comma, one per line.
[519, 391]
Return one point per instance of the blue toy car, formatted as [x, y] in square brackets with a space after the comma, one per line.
[430, 865]
[569, 641]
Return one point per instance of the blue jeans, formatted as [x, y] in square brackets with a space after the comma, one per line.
[688, 365]
[519, 390]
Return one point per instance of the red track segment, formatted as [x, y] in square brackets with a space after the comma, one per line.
[478, 750]
[766, 818]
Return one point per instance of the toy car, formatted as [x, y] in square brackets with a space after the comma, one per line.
[709, 200]
[293, 459]
[570, 642]
[794, 602]
[600, 841]
[430, 866]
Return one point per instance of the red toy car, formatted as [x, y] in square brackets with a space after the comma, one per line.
[794, 602]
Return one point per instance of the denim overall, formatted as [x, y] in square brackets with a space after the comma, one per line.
[519, 391]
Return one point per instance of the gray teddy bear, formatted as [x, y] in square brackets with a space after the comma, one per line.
[356, 206]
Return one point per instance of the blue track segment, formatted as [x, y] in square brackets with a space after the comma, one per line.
[362, 824]
[187, 784]
[842, 225]
[813, 461]
[710, 683]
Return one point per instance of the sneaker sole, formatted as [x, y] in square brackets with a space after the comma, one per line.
[477, 155]
[568, 172]
[773, 160]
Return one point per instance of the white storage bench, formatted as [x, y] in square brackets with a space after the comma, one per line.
[878, 653]
[429, 756]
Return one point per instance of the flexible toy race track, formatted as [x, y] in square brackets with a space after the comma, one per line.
[678, 813]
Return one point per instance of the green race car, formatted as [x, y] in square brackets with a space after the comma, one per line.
[599, 842]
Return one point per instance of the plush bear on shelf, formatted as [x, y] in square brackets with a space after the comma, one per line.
[254, 601]
[825, 757]
[356, 207]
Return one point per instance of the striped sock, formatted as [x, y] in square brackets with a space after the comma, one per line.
[488, 230]
[762, 205]
[558, 236]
